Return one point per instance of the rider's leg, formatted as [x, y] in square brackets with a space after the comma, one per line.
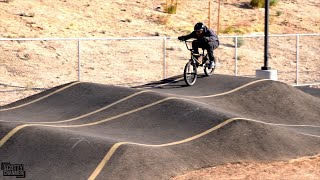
[195, 46]
[210, 48]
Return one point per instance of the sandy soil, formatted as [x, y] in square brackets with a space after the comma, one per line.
[297, 169]
[46, 64]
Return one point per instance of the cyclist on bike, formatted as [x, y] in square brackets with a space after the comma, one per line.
[205, 38]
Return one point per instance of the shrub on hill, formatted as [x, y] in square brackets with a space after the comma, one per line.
[171, 6]
[261, 3]
[6, 1]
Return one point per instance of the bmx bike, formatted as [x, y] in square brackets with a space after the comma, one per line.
[190, 70]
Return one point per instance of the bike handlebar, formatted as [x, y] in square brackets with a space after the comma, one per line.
[186, 42]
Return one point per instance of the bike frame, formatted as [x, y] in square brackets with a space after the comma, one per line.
[190, 70]
[193, 58]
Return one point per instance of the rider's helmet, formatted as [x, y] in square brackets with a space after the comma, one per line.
[199, 26]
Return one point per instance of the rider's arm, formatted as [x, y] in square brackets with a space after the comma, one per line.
[189, 36]
[211, 35]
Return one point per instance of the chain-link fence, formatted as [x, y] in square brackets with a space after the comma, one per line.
[28, 66]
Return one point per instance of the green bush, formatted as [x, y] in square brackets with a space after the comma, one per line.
[233, 30]
[261, 3]
[273, 2]
[171, 6]
[279, 13]
[172, 9]
[240, 41]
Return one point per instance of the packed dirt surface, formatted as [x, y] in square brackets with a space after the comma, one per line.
[122, 18]
[297, 169]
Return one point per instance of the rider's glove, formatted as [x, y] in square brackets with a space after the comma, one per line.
[181, 38]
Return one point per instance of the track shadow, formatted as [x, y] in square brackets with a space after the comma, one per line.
[244, 5]
[174, 80]
[169, 83]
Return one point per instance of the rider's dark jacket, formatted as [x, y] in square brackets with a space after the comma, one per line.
[208, 34]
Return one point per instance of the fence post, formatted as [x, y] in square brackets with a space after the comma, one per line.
[79, 59]
[297, 59]
[164, 57]
[236, 56]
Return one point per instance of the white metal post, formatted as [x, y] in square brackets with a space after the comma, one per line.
[236, 56]
[164, 57]
[297, 59]
[79, 59]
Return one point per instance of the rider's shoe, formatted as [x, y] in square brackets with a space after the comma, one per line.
[211, 65]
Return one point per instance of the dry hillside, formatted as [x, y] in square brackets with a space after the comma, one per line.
[121, 18]
[145, 18]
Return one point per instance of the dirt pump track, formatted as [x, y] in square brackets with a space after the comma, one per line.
[158, 130]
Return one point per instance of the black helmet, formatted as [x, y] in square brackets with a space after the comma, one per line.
[199, 26]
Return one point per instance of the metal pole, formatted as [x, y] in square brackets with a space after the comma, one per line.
[297, 60]
[166, 10]
[266, 36]
[209, 11]
[78, 59]
[236, 56]
[218, 28]
[164, 57]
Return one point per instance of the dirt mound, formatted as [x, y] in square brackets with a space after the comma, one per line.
[110, 132]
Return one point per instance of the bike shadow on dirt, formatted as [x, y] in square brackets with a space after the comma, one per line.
[169, 83]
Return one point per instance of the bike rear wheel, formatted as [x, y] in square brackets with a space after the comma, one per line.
[190, 73]
[208, 71]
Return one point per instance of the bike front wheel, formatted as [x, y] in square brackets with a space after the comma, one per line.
[190, 73]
